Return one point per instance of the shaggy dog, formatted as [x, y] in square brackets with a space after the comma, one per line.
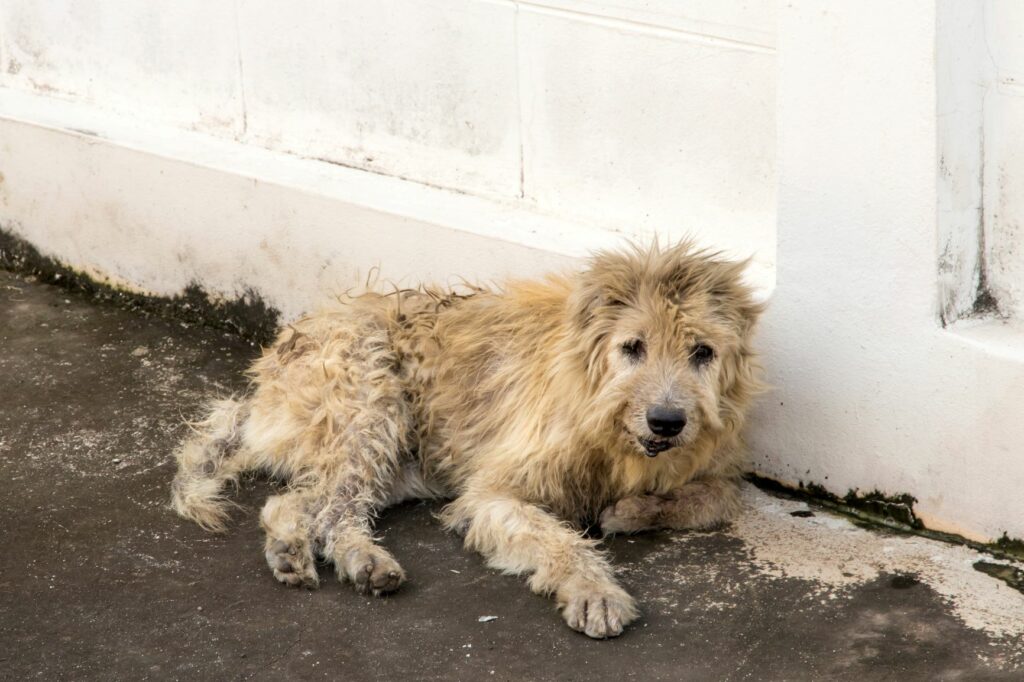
[614, 394]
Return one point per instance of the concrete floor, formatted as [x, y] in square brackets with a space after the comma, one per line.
[103, 581]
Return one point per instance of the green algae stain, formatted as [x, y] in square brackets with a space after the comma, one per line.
[1009, 546]
[248, 316]
[894, 509]
[1012, 576]
[876, 512]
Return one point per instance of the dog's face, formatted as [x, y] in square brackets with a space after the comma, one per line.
[666, 360]
[668, 333]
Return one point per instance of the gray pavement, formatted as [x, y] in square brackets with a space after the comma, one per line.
[102, 581]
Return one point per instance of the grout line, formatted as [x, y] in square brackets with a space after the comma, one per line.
[241, 73]
[646, 27]
[520, 106]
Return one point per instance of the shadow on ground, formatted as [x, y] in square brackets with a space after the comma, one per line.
[102, 581]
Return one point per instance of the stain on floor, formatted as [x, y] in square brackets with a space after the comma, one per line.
[103, 581]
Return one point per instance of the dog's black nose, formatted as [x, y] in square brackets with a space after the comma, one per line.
[665, 421]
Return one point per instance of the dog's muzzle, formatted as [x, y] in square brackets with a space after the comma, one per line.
[653, 446]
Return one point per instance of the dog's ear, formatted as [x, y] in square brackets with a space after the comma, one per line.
[595, 297]
[608, 285]
[594, 309]
[735, 298]
[733, 301]
[589, 302]
[695, 273]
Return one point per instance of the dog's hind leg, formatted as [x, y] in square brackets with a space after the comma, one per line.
[333, 415]
[289, 550]
[343, 527]
[331, 505]
[330, 513]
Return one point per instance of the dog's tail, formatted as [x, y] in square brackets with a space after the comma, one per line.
[208, 460]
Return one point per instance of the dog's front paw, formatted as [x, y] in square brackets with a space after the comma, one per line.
[292, 564]
[373, 570]
[631, 514]
[597, 610]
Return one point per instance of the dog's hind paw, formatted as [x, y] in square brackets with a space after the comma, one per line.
[292, 565]
[373, 571]
[598, 611]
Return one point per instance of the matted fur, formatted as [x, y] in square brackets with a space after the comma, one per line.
[527, 407]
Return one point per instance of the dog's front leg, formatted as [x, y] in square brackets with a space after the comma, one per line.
[696, 505]
[518, 538]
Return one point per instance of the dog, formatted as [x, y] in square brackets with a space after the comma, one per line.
[615, 395]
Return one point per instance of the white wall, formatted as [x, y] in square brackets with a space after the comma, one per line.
[1004, 153]
[633, 116]
[980, 69]
[874, 147]
[871, 391]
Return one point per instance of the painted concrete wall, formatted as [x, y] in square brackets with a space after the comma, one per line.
[626, 115]
[874, 147]
[980, 70]
[1004, 153]
[124, 204]
[871, 391]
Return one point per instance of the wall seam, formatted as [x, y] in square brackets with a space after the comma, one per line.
[520, 107]
[241, 72]
[656, 30]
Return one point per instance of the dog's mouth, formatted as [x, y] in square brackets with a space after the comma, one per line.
[653, 446]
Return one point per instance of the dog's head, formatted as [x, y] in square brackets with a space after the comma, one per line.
[667, 336]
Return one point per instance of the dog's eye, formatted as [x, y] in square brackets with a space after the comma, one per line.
[702, 354]
[634, 350]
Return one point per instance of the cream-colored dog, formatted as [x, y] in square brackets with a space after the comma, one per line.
[616, 393]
